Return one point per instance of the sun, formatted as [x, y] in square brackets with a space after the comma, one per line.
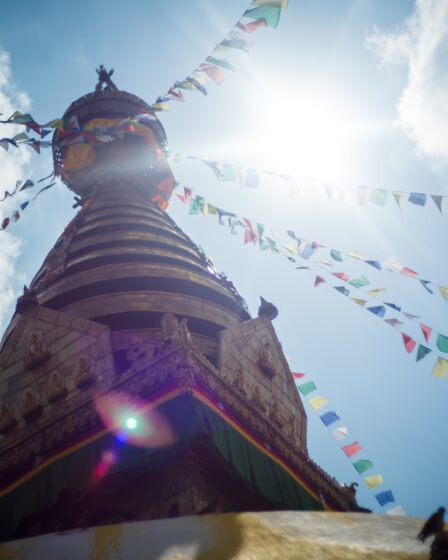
[305, 133]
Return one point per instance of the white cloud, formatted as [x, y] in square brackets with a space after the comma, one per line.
[422, 44]
[12, 167]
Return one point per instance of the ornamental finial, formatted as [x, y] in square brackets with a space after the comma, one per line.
[104, 78]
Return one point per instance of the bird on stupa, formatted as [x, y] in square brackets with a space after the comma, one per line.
[267, 309]
[433, 525]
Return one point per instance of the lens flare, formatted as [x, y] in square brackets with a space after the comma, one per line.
[131, 423]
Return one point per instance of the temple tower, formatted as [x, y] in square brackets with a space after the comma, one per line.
[134, 384]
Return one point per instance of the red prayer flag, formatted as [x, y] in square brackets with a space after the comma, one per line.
[340, 275]
[351, 449]
[5, 223]
[319, 280]
[408, 272]
[252, 26]
[297, 375]
[409, 343]
[215, 73]
[427, 331]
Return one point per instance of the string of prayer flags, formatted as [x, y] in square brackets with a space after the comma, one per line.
[351, 449]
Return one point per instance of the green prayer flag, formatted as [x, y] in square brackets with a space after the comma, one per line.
[271, 14]
[272, 245]
[306, 388]
[378, 196]
[363, 465]
[196, 205]
[260, 228]
[263, 245]
[336, 255]
[422, 351]
[224, 63]
[359, 282]
[228, 172]
[442, 343]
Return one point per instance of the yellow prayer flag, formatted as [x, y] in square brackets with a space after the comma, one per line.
[291, 248]
[360, 302]
[374, 480]
[318, 402]
[178, 158]
[376, 292]
[160, 107]
[441, 368]
[443, 291]
[204, 209]
[355, 255]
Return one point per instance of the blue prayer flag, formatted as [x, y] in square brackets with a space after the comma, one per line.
[385, 497]
[417, 198]
[393, 306]
[329, 417]
[375, 264]
[378, 310]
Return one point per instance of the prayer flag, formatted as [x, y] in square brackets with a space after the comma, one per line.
[235, 42]
[425, 284]
[376, 292]
[378, 196]
[269, 13]
[318, 281]
[306, 388]
[355, 255]
[410, 315]
[24, 205]
[251, 179]
[340, 433]
[363, 465]
[272, 245]
[318, 402]
[5, 223]
[399, 198]
[427, 331]
[397, 510]
[213, 72]
[309, 250]
[378, 310]
[297, 375]
[251, 26]
[417, 198]
[385, 497]
[394, 323]
[441, 368]
[409, 343]
[359, 282]
[393, 305]
[329, 418]
[443, 291]
[392, 264]
[360, 302]
[442, 343]
[228, 172]
[422, 351]
[408, 272]
[438, 201]
[375, 264]
[343, 290]
[291, 247]
[341, 276]
[351, 449]
[336, 255]
[374, 480]
[221, 62]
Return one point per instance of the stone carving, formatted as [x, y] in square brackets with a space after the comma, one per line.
[139, 352]
[36, 350]
[238, 381]
[27, 300]
[265, 360]
[274, 414]
[56, 388]
[174, 331]
[30, 405]
[257, 399]
[84, 376]
[292, 426]
[7, 420]
[350, 490]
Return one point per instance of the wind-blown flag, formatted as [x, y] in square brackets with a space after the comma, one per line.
[329, 417]
[385, 497]
[351, 449]
[306, 388]
[378, 310]
[363, 465]
[394, 323]
[374, 480]
[343, 290]
[427, 331]
[297, 375]
[409, 343]
[378, 196]
[336, 255]
[442, 343]
[271, 14]
[359, 282]
[422, 351]
[438, 201]
[341, 275]
[318, 402]
[340, 433]
[318, 281]
[443, 291]
[251, 26]
[417, 198]
[441, 368]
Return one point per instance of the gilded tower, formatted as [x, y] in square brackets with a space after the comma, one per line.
[134, 383]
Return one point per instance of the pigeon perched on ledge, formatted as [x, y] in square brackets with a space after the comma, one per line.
[267, 309]
[434, 524]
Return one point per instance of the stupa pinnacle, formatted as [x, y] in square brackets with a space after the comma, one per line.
[135, 383]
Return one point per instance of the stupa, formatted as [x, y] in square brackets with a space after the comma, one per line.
[134, 384]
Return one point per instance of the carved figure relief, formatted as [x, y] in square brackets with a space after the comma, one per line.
[238, 381]
[139, 352]
[257, 399]
[174, 331]
[36, 350]
[30, 405]
[292, 426]
[56, 388]
[274, 414]
[7, 419]
[265, 360]
[84, 376]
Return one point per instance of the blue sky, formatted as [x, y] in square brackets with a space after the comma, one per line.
[312, 99]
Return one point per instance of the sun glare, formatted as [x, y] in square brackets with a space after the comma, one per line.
[309, 134]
